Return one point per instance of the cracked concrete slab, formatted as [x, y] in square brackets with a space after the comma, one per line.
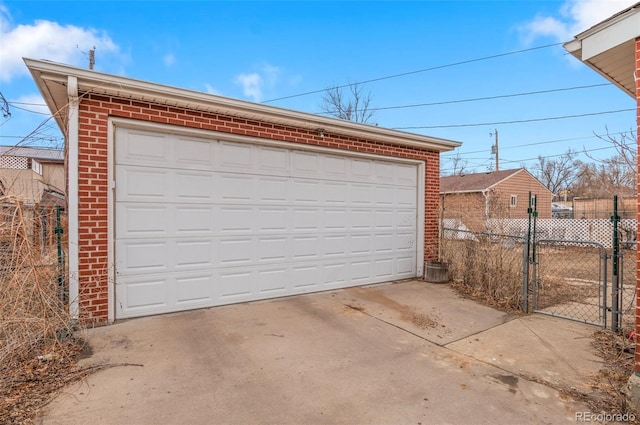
[313, 359]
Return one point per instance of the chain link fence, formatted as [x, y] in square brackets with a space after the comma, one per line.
[558, 276]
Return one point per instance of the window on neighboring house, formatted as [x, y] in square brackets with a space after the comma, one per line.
[514, 201]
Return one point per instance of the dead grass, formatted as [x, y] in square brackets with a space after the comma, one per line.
[37, 350]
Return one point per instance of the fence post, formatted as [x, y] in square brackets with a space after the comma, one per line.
[58, 231]
[526, 260]
[615, 305]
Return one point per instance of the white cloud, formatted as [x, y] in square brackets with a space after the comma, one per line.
[48, 40]
[254, 84]
[169, 59]
[574, 16]
[251, 85]
[210, 89]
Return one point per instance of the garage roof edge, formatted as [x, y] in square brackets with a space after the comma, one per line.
[108, 84]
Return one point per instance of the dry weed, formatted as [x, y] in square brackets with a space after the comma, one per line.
[35, 327]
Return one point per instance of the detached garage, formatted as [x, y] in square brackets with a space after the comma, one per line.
[181, 200]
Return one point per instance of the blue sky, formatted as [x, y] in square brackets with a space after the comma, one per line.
[261, 51]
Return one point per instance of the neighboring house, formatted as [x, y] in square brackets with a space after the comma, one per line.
[181, 200]
[603, 207]
[612, 48]
[34, 176]
[474, 198]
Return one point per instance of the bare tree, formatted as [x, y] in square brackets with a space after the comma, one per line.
[354, 105]
[459, 166]
[619, 173]
[558, 174]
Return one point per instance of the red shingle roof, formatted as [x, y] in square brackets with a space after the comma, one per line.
[476, 182]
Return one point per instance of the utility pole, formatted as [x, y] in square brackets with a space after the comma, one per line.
[92, 57]
[494, 149]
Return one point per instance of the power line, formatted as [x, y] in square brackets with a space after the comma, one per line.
[538, 157]
[404, 74]
[29, 110]
[452, 155]
[477, 99]
[514, 121]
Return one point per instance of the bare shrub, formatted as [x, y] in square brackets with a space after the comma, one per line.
[488, 267]
[35, 327]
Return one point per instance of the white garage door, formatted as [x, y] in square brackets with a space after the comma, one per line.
[204, 222]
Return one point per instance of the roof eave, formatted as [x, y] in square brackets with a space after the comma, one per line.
[608, 35]
[96, 82]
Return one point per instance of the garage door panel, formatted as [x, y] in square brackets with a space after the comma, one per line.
[334, 193]
[335, 275]
[362, 195]
[194, 153]
[235, 220]
[236, 285]
[384, 172]
[139, 220]
[305, 192]
[143, 256]
[383, 268]
[406, 266]
[273, 219]
[144, 184]
[273, 162]
[406, 175]
[383, 219]
[194, 254]
[273, 282]
[235, 157]
[362, 220]
[194, 186]
[306, 277]
[236, 251]
[305, 164]
[405, 220]
[335, 167]
[194, 289]
[273, 249]
[384, 196]
[143, 294]
[405, 242]
[204, 222]
[405, 197]
[235, 188]
[361, 244]
[305, 220]
[383, 243]
[190, 219]
[141, 147]
[335, 245]
[305, 247]
[274, 190]
[361, 170]
[335, 219]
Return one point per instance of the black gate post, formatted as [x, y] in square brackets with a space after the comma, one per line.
[615, 290]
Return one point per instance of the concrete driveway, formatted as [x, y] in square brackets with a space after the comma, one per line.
[401, 353]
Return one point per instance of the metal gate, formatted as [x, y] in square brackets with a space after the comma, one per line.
[570, 281]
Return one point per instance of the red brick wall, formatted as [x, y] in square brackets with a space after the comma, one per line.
[637, 78]
[93, 184]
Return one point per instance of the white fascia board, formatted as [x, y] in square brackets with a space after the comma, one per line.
[96, 82]
[606, 35]
[611, 36]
